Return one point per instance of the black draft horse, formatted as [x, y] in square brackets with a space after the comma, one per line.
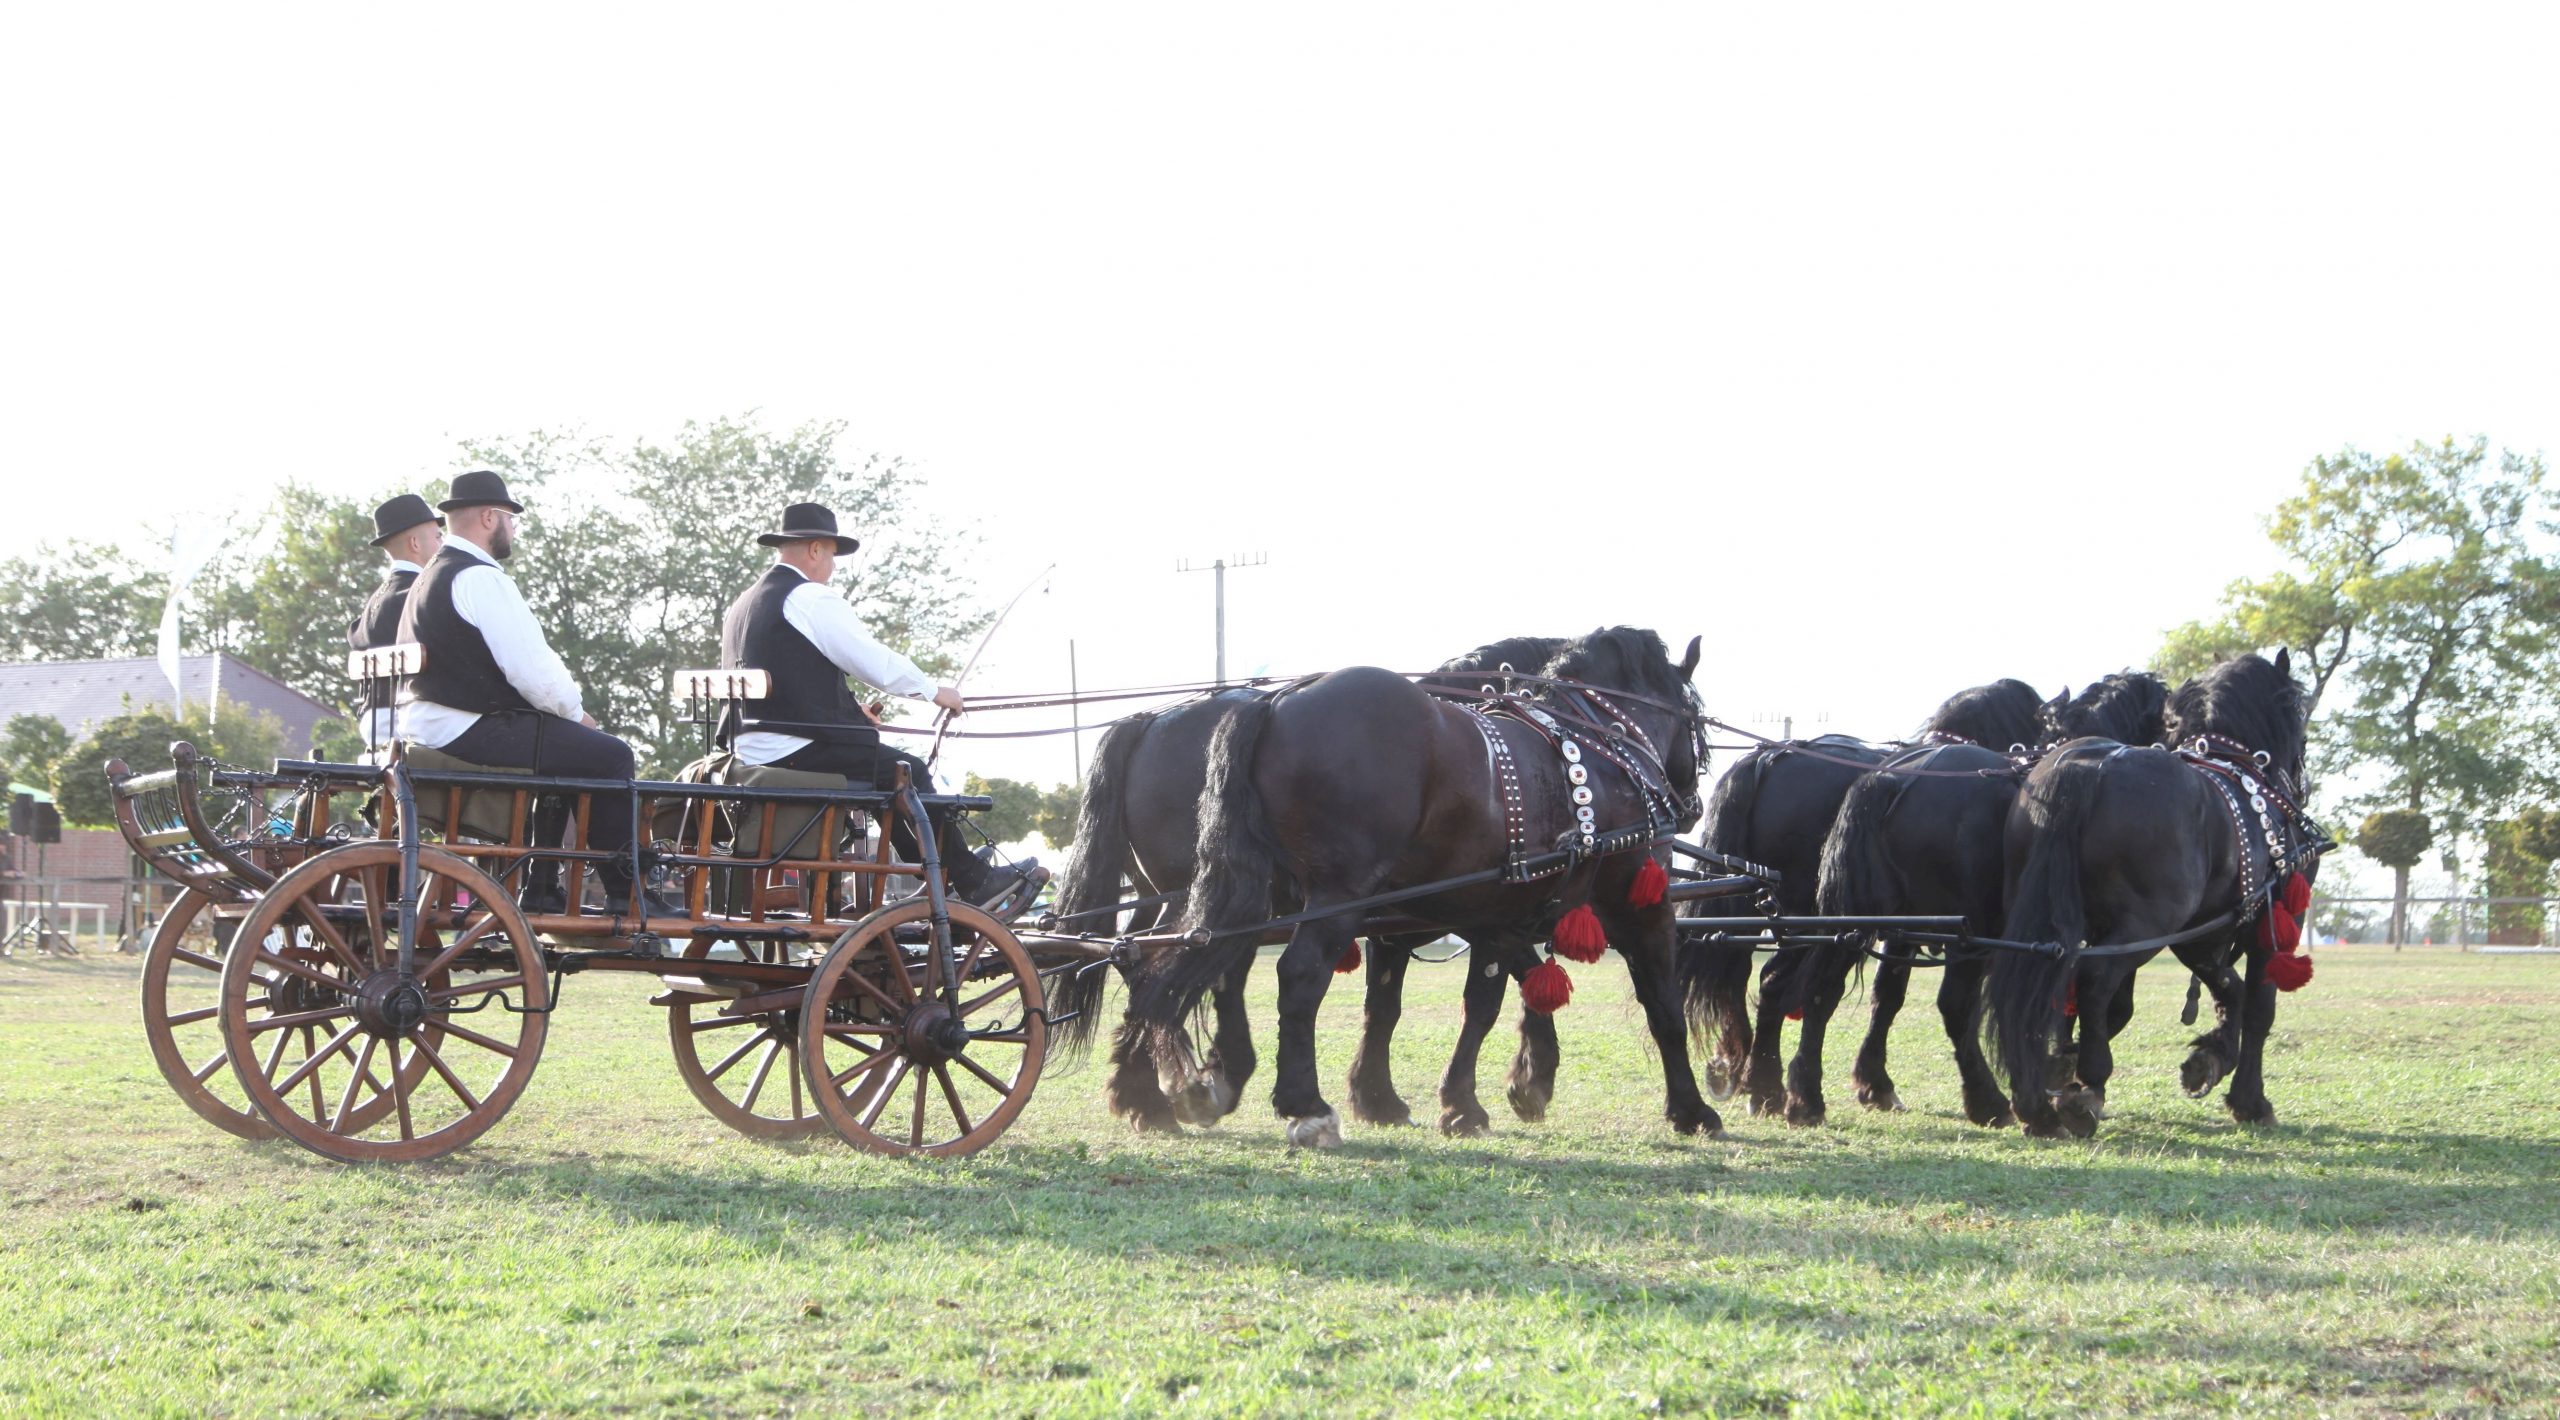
[1922, 836]
[1360, 782]
[2110, 844]
[1138, 823]
[1775, 806]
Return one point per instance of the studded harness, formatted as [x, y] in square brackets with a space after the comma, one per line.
[1622, 743]
[2276, 838]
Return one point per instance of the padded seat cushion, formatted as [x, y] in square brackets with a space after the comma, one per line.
[486, 813]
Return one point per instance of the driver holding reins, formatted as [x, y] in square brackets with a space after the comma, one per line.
[807, 639]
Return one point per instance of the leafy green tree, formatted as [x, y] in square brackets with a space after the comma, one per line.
[2517, 863]
[75, 602]
[632, 554]
[281, 596]
[141, 738]
[2397, 839]
[30, 747]
[1017, 809]
[1056, 821]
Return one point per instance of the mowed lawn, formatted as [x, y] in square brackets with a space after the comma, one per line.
[2393, 1247]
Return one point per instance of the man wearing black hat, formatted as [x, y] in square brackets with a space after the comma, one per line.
[807, 639]
[493, 691]
[408, 532]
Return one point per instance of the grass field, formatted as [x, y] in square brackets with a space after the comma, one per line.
[2393, 1247]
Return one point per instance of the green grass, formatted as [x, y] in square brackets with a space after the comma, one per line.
[2393, 1247]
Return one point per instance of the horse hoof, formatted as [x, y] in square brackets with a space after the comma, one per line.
[1528, 1102]
[1391, 1111]
[1316, 1131]
[1804, 1113]
[2080, 1111]
[1204, 1101]
[1699, 1121]
[1885, 1098]
[1992, 1113]
[1721, 1079]
[1154, 1122]
[1464, 1123]
[2201, 1072]
[2261, 1115]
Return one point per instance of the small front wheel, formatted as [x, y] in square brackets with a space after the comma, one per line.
[898, 1066]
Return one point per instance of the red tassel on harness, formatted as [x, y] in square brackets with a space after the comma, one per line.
[2297, 894]
[1546, 988]
[1349, 961]
[1649, 882]
[2071, 997]
[2290, 971]
[2279, 929]
[1579, 935]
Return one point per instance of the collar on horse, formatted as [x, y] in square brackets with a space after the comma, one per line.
[2275, 838]
[1624, 745]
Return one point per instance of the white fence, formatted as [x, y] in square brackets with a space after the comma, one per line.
[2476, 923]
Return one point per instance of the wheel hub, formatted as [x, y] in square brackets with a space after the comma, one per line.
[391, 1002]
[933, 1034]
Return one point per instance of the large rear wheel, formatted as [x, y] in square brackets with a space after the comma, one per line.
[753, 1083]
[896, 1065]
[348, 1055]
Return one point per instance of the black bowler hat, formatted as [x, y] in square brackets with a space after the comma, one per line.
[401, 514]
[479, 489]
[807, 522]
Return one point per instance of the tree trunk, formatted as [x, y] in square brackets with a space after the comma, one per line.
[2399, 907]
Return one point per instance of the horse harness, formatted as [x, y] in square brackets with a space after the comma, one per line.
[1632, 752]
[2275, 837]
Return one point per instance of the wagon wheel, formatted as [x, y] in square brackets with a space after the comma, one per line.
[353, 1059]
[897, 1069]
[186, 1038]
[758, 1056]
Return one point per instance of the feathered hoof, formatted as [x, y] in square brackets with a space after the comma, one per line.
[1884, 1097]
[1805, 1113]
[1720, 1079]
[2260, 1115]
[1389, 1110]
[2080, 1108]
[1467, 1123]
[1698, 1120]
[1204, 1101]
[1529, 1100]
[1989, 1111]
[2202, 1071]
[1316, 1131]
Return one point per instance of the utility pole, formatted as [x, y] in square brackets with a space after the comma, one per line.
[1219, 568]
[1075, 712]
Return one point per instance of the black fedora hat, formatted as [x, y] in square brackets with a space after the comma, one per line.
[480, 489]
[401, 514]
[807, 522]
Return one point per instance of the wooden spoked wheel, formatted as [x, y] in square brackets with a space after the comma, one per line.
[181, 1015]
[753, 1082]
[894, 1065]
[350, 1057]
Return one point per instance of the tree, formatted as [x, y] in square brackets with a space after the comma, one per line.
[141, 738]
[631, 556]
[2397, 839]
[74, 602]
[30, 747]
[1056, 821]
[280, 598]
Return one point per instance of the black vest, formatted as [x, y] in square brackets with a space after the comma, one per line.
[809, 695]
[460, 671]
[379, 625]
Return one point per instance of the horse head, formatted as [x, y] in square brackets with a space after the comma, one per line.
[1653, 693]
[1994, 716]
[2252, 701]
[2125, 707]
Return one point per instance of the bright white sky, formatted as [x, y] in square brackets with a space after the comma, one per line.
[1895, 348]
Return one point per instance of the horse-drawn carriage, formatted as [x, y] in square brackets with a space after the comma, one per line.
[378, 992]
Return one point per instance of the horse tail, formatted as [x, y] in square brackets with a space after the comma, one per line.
[1858, 877]
[1094, 873]
[1241, 865]
[1716, 979]
[2048, 906]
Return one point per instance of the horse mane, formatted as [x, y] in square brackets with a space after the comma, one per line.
[1526, 654]
[2249, 699]
[1994, 716]
[1620, 656]
[2127, 707]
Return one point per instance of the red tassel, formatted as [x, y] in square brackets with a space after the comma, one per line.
[1349, 961]
[2290, 971]
[2278, 929]
[1649, 882]
[2297, 894]
[1546, 988]
[1795, 1015]
[1579, 936]
[2071, 997]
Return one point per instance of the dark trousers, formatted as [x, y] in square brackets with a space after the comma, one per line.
[548, 744]
[877, 765]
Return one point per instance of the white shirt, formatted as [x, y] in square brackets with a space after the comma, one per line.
[377, 730]
[488, 599]
[829, 622]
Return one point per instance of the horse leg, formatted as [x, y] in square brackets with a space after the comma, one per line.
[1532, 1081]
[2083, 1102]
[1766, 1076]
[2248, 1096]
[1960, 1008]
[1892, 983]
[1373, 1088]
[1651, 947]
[1211, 1091]
[2211, 1055]
[1486, 983]
[1825, 974]
[1133, 1091]
[1306, 970]
[1727, 988]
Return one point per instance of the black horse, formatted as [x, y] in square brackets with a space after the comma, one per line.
[1139, 823]
[1775, 807]
[1922, 836]
[2111, 844]
[1360, 782]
